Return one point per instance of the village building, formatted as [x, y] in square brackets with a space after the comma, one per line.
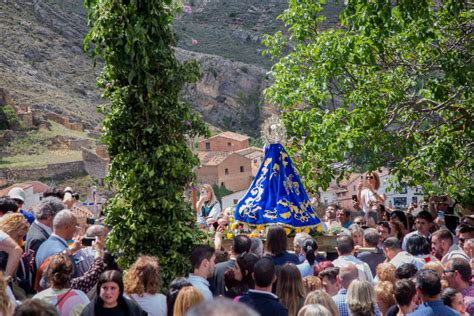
[33, 192]
[228, 161]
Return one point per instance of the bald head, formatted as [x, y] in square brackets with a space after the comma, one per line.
[347, 274]
[64, 224]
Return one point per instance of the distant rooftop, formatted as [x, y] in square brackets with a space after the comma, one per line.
[213, 158]
[38, 187]
[231, 135]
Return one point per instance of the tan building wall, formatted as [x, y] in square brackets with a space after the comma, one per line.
[235, 173]
[207, 174]
[222, 143]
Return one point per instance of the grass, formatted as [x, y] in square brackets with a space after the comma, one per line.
[41, 160]
[30, 150]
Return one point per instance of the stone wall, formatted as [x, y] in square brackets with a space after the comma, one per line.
[57, 170]
[95, 165]
[63, 120]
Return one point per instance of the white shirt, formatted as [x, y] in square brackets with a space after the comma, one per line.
[404, 257]
[454, 252]
[367, 196]
[3, 235]
[202, 285]
[153, 304]
[364, 269]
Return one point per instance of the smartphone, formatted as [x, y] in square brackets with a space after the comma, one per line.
[90, 221]
[441, 215]
[87, 241]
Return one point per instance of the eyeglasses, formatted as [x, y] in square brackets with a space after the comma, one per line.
[369, 177]
[447, 271]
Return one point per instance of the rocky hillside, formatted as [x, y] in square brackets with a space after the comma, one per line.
[42, 63]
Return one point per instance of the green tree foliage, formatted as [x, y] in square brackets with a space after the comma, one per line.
[391, 87]
[146, 128]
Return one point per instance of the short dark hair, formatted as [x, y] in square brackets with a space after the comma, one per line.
[110, 276]
[241, 244]
[173, 290]
[466, 229]
[371, 237]
[428, 282]
[309, 247]
[264, 272]
[463, 267]
[35, 307]
[404, 291]
[386, 225]
[391, 243]
[418, 245]
[447, 296]
[444, 234]
[425, 215]
[406, 271]
[329, 273]
[276, 242]
[7, 204]
[199, 253]
[345, 244]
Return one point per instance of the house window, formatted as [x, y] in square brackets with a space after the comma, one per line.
[222, 184]
[354, 187]
[241, 168]
[208, 146]
[229, 144]
[226, 171]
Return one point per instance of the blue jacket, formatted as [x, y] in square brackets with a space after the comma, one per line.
[434, 308]
[266, 304]
[52, 246]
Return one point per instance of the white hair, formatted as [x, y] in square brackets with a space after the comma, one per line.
[63, 219]
[300, 238]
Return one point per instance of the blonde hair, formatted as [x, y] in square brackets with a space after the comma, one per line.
[361, 298]
[213, 195]
[312, 283]
[322, 298]
[376, 178]
[384, 291]
[290, 289]
[143, 276]
[314, 310]
[11, 223]
[6, 307]
[187, 297]
[386, 272]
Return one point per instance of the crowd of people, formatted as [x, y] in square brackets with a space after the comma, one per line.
[386, 262]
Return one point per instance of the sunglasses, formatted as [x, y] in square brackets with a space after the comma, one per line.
[359, 223]
[18, 201]
[369, 177]
[447, 271]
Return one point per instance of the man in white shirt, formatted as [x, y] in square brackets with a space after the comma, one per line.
[345, 249]
[203, 261]
[396, 256]
[444, 248]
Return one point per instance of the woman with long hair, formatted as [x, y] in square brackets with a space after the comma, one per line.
[277, 244]
[208, 208]
[142, 284]
[322, 298]
[68, 301]
[110, 299]
[368, 195]
[241, 274]
[290, 289]
[310, 250]
[187, 298]
[361, 299]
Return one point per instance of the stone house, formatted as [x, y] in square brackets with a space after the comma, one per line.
[226, 142]
[228, 169]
